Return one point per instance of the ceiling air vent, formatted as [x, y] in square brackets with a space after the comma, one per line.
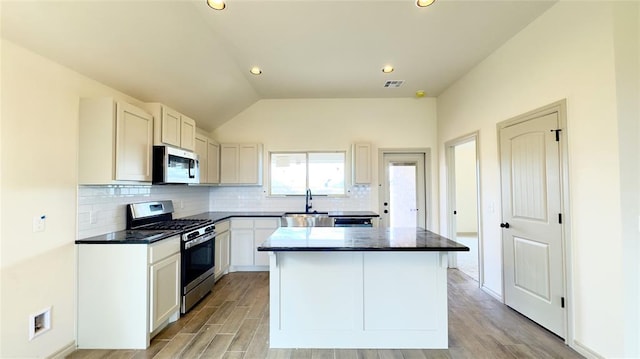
[393, 83]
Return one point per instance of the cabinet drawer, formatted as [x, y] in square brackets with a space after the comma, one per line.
[241, 223]
[222, 227]
[271, 223]
[164, 248]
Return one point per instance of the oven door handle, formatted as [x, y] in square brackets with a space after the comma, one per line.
[199, 240]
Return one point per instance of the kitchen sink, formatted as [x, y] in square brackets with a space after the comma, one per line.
[306, 219]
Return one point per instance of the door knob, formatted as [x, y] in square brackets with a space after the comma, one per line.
[504, 225]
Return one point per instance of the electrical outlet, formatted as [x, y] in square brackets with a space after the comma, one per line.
[93, 217]
[39, 223]
[39, 323]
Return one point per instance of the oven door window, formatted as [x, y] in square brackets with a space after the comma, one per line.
[197, 260]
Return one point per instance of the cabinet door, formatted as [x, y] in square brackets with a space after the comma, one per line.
[229, 155]
[202, 144]
[187, 133]
[164, 290]
[213, 162]
[170, 127]
[248, 164]
[261, 235]
[242, 247]
[361, 163]
[134, 141]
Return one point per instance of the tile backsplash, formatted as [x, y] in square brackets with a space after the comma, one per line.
[257, 199]
[102, 209]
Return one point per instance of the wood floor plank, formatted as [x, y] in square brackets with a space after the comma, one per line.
[413, 354]
[244, 335]
[322, 354]
[200, 342]
[346, 354]
[301, 354]
[390, 354]
[259, 345]
[235, 319]
[233, 355]
[368, 354]
[194, 325]
[217, 347]
[175, 346]
[154, 348]
[279, 353]
[220, 316]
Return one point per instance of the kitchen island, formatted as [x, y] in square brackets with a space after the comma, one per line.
[358, 287]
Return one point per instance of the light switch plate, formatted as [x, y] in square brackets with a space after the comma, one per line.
[39, 223]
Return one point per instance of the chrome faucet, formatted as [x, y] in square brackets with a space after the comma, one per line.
[307, 204]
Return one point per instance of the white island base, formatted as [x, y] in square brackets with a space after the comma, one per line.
[352, 299]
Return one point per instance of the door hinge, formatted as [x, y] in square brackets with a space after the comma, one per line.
[562, 302]
[560, 218]
[557, 134]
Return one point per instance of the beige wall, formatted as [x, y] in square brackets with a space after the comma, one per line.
[334, 124]
[39, 150]
[567, 53]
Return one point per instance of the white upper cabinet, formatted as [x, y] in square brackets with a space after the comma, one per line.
[172, 128]
[241, 164]
[213, 162]
[115, 144]
[208, 152]
[361, 163]
[187, 133]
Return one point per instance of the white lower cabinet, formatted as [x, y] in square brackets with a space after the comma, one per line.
[126, 293]
[246, 235]
[165, 290]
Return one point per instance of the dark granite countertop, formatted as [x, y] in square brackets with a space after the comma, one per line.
[296, 239]
[146, 237]
[128, 237]
[221, 216]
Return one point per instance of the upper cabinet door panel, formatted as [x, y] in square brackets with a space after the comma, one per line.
[171, 125]
[134, 139]
[248, 164]
[213, 165]
[229, 156]
[187, 133]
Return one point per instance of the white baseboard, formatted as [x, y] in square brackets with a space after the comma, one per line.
[585, 351]
[64, 352]
[492, 293]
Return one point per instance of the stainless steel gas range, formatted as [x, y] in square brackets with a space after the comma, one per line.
[197, 246]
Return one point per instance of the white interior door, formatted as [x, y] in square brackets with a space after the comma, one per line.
[403, 196]
[532, 232]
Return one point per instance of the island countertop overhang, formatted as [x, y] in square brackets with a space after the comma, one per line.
[334, 239]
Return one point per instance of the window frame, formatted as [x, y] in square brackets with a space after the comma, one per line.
[306, 153]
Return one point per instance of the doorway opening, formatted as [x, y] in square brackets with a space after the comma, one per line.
[463, 199]
[403, 188]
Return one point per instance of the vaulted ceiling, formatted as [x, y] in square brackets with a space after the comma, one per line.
[197, 60]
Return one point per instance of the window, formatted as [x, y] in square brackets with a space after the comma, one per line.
[293, 172]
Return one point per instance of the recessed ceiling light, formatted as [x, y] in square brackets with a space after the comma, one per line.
[387, 69]
[424, 3]
[216, 4]
[256, 70]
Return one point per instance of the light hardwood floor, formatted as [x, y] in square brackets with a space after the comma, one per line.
[233, 322]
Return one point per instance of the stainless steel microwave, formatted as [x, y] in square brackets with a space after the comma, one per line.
[174, 166]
